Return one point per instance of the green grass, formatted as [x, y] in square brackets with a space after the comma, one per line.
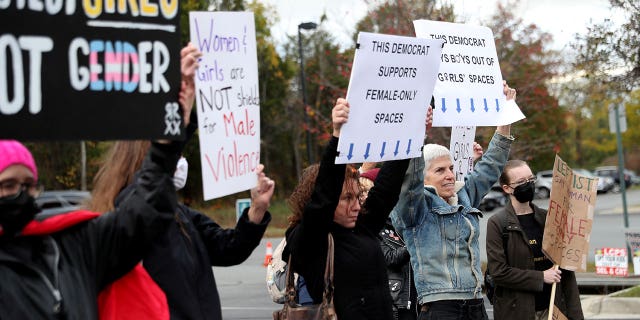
[225, 215]
[633, 292]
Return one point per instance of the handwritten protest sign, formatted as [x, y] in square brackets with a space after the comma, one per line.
[389, 92]
[633, 243]
[557, 314]
[227, 100]
[461, 148]
[468, 90]
[89, 69]
[569, 217]
[612, 261]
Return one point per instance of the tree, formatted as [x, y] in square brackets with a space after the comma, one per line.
[185, 7]
[611, 53]
[608, 66]
[396, 17]
[528, 65]
[277, 121]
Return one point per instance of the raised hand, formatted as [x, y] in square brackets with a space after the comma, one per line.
[189, 56]
[429, 120]
[508, 91]
[477, 151]
[261, 196]
[511, 95]
[339, 115]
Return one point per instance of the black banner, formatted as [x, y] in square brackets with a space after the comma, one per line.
[90, 69]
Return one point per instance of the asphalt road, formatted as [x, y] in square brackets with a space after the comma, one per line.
[243, 290]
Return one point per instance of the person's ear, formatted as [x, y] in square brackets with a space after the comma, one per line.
[505, 188]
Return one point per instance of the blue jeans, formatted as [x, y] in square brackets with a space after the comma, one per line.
[304, 298]
[472, 309]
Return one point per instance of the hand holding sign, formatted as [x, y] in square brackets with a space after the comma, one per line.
[552, 275]
[188, 64]
[510, 94]
[189, 56]
[339, 115]
[467, 90]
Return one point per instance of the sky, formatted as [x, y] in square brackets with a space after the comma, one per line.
[561, 18]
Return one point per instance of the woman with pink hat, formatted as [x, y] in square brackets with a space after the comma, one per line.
[55, 268]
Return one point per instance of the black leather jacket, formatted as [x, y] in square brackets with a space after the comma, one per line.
[401, 285]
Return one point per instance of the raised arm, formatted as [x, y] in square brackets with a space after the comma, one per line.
[118, 240]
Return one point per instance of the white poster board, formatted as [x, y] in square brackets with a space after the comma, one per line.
[468, 89]
[632, 237]
[227, 101]
[389, 91]
[461, 148]
[612, 261]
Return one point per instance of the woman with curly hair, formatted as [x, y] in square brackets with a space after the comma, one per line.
[327, 200]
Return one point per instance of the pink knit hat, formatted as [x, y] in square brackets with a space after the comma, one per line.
[13, 152]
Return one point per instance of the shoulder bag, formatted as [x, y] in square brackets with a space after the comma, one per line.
[323, 311]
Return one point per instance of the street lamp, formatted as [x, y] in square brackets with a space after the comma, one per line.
[305, 26]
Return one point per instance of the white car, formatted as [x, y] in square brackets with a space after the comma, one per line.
[544, 179]
[605, 184]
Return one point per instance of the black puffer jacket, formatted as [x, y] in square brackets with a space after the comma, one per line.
[59, 276]
[396, 255]
[180, 260]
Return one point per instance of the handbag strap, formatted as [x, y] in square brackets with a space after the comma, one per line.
[328, 272]
[328, 277]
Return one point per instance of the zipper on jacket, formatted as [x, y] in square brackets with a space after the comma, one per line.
[410, 275]
[57, 307]
[57, 296]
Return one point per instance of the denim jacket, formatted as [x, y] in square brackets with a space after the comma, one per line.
[442, 237]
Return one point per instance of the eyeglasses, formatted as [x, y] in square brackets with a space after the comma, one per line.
[13, 188]
[522, 181]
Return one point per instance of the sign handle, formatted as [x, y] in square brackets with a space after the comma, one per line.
[553, 295]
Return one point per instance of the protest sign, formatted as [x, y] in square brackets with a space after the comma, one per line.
[612, 261]
[633, 243]
[468, 89]
[242, 204]
[227, 100]
[89, 70]
[569, 217]
[557, 314]
[461, 148]
[389, 92]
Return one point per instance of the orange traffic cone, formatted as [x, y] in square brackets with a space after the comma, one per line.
[268, 254]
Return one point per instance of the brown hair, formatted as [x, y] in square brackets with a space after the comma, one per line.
[118, 169]
[504, 177]
[301, 195]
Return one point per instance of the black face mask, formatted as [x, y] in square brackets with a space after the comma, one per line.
[16, 212]
[524, 192]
